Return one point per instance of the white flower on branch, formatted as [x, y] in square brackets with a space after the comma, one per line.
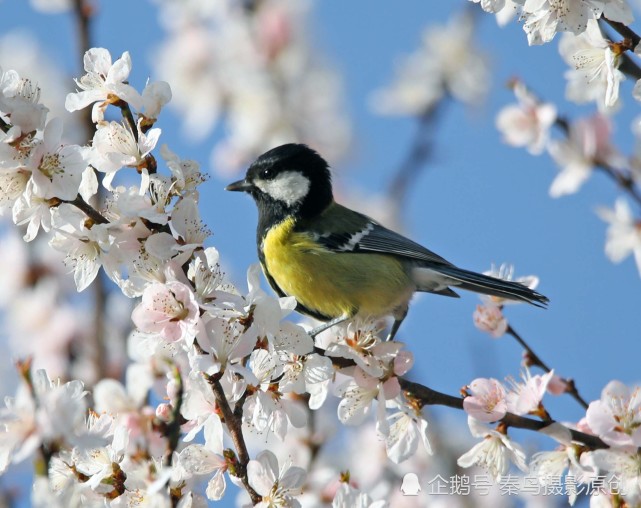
[103, 84]
[616, 417]
[487, 400]
[208, 280]
[185, 174]
[266, 409]
[549, 467]
[18, 436]
[32, 210]
[528, 122]
[169, 310]
[203, 460]
[492, 6]
[587, 144]
[20, 103]
[406, 429]
[348, 496]
[86, 248]
[624, 232]
[45, 412]
[624, 465]
[277, 486]
[56, 169]
[489, 318]
[310, 374]
[525, 397]
[115, 146]
[101, 464]
[595, 76]
[200, 410]
[543, 19]
[494, 453]
[154, 97]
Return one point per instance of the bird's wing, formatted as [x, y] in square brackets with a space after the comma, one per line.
[340, 229]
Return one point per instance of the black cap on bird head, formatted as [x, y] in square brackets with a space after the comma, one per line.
[291, 177]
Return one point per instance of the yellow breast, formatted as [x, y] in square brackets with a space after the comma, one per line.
[334, 284]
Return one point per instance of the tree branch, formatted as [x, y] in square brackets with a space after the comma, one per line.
[536, 360]
[428, 397]
[89, 210]
[234, 425]
[624, 31]
[83, 13]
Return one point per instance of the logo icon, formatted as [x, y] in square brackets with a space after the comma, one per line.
[410, 486]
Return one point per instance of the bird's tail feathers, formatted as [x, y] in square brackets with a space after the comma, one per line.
[485, 284]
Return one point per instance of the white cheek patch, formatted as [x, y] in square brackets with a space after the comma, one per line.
[290, 187]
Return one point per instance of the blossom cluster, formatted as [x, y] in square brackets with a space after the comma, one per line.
[253, 65]
[598, 60]
[200, 346]
[615, 419]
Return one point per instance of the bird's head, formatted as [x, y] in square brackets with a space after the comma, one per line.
[292, 178]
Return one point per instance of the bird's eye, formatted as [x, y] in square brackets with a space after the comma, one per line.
[267, 173]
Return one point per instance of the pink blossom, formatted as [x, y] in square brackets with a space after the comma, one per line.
[487, 401]
[526, 397]
[557, 385]
[169, 310]
[616, 418]
[588, 143]
[489, 318]
[528, 122]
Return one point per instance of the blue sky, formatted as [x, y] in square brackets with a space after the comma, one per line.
[477, 202]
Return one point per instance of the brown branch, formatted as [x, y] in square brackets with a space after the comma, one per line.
[83, 13]
[628, 66]
[428, 397]
[234, 425]
[624, 31]
[534, 359]
[125, 110]
[89, 210]
[624, 182]
[173, 427]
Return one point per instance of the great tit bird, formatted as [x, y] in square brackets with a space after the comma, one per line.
[337, 263]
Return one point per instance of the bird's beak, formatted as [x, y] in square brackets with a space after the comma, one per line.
[240, 186]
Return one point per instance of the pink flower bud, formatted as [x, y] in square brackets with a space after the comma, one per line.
[164, 412]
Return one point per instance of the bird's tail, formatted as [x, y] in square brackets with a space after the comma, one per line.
[479, 283]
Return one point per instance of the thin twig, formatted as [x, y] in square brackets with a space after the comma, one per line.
[419, 153]
[125, 110]
[624, 182]
[624, 31]
[430, 397]
[534, 359]
[628, 65]
[173, 429]
[83, 13]
[89, 210]
[234, 426]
